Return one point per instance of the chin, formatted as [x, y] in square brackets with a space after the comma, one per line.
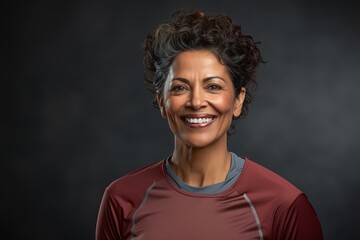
[199, 141]
[197, 145]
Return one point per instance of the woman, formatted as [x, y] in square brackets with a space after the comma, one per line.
[201, 69]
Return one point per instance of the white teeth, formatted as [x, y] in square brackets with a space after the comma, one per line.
[198, 120]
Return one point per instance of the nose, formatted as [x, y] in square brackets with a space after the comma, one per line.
[197, 99]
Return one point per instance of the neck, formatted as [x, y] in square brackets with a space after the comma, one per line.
[201, 166]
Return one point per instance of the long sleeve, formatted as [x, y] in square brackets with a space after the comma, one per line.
[299, 221]
[108, 226]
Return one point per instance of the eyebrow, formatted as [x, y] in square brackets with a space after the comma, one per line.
[184, 80]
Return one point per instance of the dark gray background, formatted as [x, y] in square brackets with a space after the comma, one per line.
[79, 116]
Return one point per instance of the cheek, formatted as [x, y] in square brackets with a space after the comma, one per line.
[224, 104]
[172, 105]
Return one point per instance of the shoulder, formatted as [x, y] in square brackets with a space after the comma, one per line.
[260, 181]
[282, 208]
[136, 182]
[121, 198]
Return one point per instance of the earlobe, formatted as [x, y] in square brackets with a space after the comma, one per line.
[239, 103]
[160, 102]
[163, 113]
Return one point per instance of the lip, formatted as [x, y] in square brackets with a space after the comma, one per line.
[198, 125]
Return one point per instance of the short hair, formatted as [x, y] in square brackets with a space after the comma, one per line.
[194, 30]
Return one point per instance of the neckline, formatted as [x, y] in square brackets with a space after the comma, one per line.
[235, 171]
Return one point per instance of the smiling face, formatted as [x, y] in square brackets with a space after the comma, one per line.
[199, 100]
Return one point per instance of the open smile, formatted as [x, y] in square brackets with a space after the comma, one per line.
[198, 121]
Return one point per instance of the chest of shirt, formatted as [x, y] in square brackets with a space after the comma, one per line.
[165, 214]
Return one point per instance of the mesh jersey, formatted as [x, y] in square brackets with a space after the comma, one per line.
[146, 204]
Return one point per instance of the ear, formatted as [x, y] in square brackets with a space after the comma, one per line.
[160, 101]
[239, 102]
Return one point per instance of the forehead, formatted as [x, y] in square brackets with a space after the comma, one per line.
[201, 62]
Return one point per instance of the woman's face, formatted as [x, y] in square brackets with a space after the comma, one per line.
[199, 99]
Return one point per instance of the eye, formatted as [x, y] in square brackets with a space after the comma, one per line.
[177, 88]
[214, 87]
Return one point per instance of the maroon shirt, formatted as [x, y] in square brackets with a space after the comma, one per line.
[146, 204]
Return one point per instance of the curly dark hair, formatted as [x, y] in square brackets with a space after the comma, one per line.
[193, 30]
